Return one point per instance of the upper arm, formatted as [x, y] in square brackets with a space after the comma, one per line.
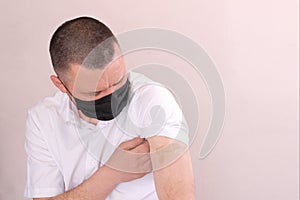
[167, 135]
[169, 157]
[157, 113]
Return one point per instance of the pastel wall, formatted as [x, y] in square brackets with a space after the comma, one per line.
[254, 45]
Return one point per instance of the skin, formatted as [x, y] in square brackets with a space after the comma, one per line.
[170, 184]
[172, 166]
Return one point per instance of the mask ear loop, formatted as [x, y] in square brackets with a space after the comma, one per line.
[65, 86]
[73, 100]
[68, 91]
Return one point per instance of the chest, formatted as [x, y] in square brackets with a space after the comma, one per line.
[80, 150]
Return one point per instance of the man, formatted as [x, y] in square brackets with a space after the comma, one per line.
[87, 142]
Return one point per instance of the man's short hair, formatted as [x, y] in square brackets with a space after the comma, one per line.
[84, 41]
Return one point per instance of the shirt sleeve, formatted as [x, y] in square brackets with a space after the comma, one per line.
[44, 179]
[160, 115]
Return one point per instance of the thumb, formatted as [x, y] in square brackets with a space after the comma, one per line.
[131, 144]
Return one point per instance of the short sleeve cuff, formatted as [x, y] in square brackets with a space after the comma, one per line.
[42, 192]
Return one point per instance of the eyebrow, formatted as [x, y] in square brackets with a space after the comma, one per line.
[105, 89]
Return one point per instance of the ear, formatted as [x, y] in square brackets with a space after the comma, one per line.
[55, 80]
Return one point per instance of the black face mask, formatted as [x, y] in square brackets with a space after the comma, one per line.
[107, 107]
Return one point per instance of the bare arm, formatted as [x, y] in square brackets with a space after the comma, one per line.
[90, 189]
[172, 167]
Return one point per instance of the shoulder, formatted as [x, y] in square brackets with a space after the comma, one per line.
[154, 98]
[48, 103]
[146, 92]
[48, 108]
[154, 110]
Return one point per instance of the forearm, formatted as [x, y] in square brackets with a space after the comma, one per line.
[97, 187]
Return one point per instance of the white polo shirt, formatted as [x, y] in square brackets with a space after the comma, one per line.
[63, 150]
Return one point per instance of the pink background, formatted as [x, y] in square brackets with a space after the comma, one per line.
[254, 45]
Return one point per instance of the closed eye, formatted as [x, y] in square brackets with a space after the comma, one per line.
[119, 81]
[115, 84]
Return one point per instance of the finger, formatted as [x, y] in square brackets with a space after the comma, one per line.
[142, 148]
[147, 166]
[131, 144]
[138, 175]
[143, 166]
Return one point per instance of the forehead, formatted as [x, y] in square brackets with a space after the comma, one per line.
[83, 79]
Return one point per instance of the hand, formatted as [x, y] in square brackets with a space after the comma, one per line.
[130, 161]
